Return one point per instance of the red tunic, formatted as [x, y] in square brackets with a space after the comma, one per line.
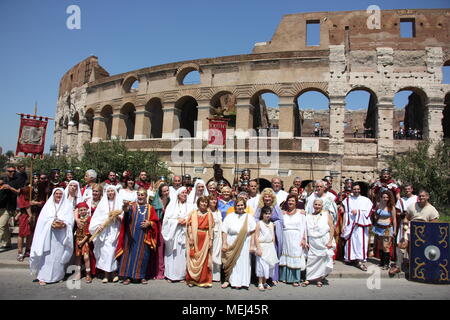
[205, 278]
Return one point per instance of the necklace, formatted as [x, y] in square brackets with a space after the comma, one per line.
[291, 212]
[139, 210]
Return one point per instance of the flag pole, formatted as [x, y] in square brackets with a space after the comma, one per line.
[31, 162]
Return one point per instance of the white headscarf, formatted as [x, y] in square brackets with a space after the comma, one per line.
[104, 207]
[193, 197]
[79, 197]
[42, 235]
[175, 209]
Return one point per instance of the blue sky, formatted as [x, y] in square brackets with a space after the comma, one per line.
[37, 48]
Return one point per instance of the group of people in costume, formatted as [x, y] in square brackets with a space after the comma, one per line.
[204, 232]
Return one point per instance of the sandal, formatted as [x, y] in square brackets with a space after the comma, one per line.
[88, 279]
[267, 287]
[261, 287]
[126, 281]
[225, 285]
[105, 280]
[116, 279]
[319, 284]
[144, 281]
[20, 257]
[42, 283]
[361, 266]
[190, 285]
[305, 284]
[295, 284]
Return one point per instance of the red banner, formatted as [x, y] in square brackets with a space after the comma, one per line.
[217, 131]
[31, 136]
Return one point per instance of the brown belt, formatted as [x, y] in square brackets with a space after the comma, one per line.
[382, 227]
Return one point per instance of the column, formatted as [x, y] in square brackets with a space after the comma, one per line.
[286, 120]
[244, 117]
[337, 118]
[385, 131]
[99, 128]
[171, 120]
[63, 140]
[72, 138]
[119, 129]
[202, 119]
[142, 127]
[432, 128]
[84, 135]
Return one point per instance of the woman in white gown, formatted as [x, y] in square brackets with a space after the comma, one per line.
[217, 240]
[321, 244]
[52, 246]
[236, 241]
[106, 242]
[292, 259]
[198, 190]
[128, 193]
[174, 234]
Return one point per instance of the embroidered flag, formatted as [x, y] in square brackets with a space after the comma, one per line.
[32, 135]
[217, 131]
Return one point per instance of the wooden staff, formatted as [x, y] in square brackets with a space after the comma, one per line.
[112, 215]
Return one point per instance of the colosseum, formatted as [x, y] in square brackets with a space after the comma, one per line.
[145, 107]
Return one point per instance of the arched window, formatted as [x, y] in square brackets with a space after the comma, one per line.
[188, 115]
[361, 114]
[154, 106]
[131, 84]
[188, 76]
[312, 114]
[265, 103]
[106, 113]
[409, 109]
[90, 121]
[224, 103]
[129, 111]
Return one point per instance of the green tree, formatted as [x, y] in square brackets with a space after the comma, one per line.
[103, 157]
[10, 154]
[430, 171]
[3, 161]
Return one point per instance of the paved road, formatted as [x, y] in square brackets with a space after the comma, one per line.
[18, 284]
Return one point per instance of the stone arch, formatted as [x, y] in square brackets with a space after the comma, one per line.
[188, 113]
[446, 117]
[106, 113]
[307, 120]
[76, 120]
[226, 102]
[61, 122]
[260, 113]
[361, 122]
[129, 112]
[264, 183]
[415, 113]
[89, 120]
[155, 108]
[129, 84]
[184, 70]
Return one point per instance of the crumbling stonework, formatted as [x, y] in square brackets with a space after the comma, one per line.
[350, 57]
